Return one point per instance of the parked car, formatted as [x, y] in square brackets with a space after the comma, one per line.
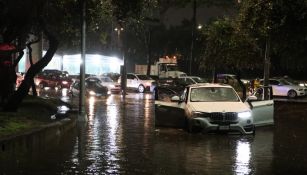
[113, 87]
[187, 80]
[139, 82]
[93, 87]
[283, 87]
[215, 107]
[53, 78]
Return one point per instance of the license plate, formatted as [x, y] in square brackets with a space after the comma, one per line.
[224, 127]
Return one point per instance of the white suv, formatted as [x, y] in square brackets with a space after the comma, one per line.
[215, 107]
[138, 81]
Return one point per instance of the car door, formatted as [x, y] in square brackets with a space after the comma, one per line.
[130, 78]
[170, 113]
[278, 89]
[263, 110]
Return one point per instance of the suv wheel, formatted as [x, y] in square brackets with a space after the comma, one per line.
[141, 88]
[292, 94]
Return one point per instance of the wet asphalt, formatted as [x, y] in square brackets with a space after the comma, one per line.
[120, 137]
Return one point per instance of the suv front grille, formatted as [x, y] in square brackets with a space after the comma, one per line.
[222, 118]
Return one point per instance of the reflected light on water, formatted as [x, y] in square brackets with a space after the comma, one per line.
[64, 92]
[91, 108]
[113, 125]
[243, 156]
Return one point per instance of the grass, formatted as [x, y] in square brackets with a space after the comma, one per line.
[32, 113]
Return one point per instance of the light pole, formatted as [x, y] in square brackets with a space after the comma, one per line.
[82, 115]
[123, 81]
[193, 36]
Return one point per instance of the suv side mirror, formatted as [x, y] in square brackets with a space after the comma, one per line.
[175, 98]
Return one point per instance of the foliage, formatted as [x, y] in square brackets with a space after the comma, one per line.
[227, 46]
[55, 19]
[284, 23]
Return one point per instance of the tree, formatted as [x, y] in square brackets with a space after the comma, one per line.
[55, 19]
[279, 27]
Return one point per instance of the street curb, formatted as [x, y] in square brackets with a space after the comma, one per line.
[44, 133]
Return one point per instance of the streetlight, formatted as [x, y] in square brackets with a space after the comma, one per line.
[120, 29]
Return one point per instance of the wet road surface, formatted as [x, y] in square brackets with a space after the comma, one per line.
[120, 138]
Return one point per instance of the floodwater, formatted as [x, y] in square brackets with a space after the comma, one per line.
[120, 138]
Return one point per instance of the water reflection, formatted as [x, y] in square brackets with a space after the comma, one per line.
[91, 108]
[120, 138]
[114, 139]
[243, 156]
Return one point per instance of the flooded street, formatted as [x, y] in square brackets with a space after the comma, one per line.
[120, 138]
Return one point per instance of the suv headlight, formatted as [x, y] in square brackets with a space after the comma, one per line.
[245, 114]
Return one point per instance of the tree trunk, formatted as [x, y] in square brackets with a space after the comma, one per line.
[16, 99]
[149, 53]
[34, 92]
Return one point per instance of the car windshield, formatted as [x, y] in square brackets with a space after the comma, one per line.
[199, 80]
[172, 67]
[144, 77]
[106, 79]
[291, 81]
[212, 94]
[93, 84]
[284, 82]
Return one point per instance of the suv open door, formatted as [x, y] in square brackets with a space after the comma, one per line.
[263, 109]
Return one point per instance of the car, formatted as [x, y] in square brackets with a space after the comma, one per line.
[53, 78]
[187, 80]
[93, 87]
[285, 88]
[113, 87]
[212, 107]
[140, 82]
[174, 85]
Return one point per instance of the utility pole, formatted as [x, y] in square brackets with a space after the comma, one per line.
[82, 115]
[266, 73]
[193, 33]
[119, 29]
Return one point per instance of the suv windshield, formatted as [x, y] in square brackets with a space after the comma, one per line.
[212, 94]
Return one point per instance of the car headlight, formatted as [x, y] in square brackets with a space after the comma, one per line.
[64, 82]
[92, 93]
[245, 114]
[197, 114]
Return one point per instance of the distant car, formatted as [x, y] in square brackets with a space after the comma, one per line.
[92, 88]
[283, 87]
[175, 85]
[106, 81]
[139, 82]
[216, 107]
[188, 80]
[53, 78]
